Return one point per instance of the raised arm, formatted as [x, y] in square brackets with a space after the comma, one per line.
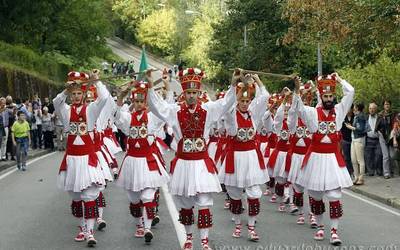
[60, 107]
[306, 113]
[279, 116]
[292, 119]
[218, 108]
[345, 104]
[259, 103]
[159, 107]
[96, 107]
[122, 120]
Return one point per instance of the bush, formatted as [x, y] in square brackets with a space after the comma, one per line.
[376, 82]
[51, 65]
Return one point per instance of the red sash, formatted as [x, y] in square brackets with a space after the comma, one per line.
[234, 144]
[144, 150]
[192, 126]
[281, 146]
[79, 150]
[325, 148]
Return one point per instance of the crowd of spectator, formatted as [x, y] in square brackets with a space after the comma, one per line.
[119, 68]
[44, 125]
[370, 141]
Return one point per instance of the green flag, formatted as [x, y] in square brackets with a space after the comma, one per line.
[143, 64]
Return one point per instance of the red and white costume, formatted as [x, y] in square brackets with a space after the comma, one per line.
[324, 171]
[243, 167]
[80, 172]
[142, 171]
[193, 173]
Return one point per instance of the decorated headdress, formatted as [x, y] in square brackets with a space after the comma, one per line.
[77, 80]
[91, 92]
[191, 79]
[306, 91]
[246, 90]
[326, 84]
[140, 92]
[275, 98]
[219, 94]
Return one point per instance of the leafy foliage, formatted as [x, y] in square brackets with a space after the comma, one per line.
[158, 31]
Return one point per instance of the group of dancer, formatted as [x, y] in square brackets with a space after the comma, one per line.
[244, 139]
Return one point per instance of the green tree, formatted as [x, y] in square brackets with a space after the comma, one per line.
[376, 82]
[201, 34]
[72, 27]
[158, 31]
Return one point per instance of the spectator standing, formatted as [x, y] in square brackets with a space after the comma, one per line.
[359, 132]
[4, 119]
[48, 128]
[105, 67]
[346, 140]
[21, 137]
[36, 123]
[131, 68]
[373, 154]
[394, 140]
[12, 110]
[20, 106]
[48, 104]
[384, 127]
[60, 139]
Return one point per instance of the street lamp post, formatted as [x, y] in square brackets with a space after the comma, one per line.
[245, 36]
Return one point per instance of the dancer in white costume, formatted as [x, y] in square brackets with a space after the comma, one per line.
[194, 177]
[80, 172]
[91, 96]
[243, 167]
[300, 140]
[268, 123]
[324, 171]
[142, 171]
[276, 162]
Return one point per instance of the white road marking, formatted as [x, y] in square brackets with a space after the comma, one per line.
[375, 204]
[28, 163]
[179, 228]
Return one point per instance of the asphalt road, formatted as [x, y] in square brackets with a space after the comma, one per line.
[36, 215]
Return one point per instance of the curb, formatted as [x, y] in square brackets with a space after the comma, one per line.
[30, 157]
[393, 202]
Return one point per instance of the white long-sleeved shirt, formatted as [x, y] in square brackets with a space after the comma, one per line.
[168, 112]
[123, 122]
[255, 110]
[92, 112]
[310, 115]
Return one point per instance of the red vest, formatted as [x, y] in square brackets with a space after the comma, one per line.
[283, 144]
[192, 146]
[78, 126]
[326, 127]
[243, 141]
[138, 145]
[301, 133]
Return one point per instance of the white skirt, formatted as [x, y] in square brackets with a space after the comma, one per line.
[136, 176]
[247, 171]
[191, 177]
[111, 146]
[107, 154]
[105, 169]
[212, 149]
[279, 169]
[79, 175]
[295, 166]
[322, 173]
